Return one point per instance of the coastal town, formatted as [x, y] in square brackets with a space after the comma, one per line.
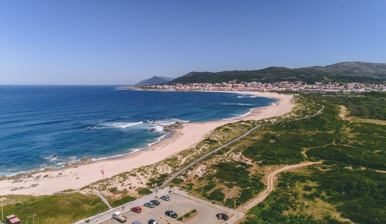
[284, 86]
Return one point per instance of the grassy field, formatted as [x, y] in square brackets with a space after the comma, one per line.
[60, 208]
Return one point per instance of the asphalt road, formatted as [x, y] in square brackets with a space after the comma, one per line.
[180, 202]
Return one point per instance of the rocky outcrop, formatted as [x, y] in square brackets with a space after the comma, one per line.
[174, 126]
[76, 163]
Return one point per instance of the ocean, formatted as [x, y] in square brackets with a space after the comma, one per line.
[47, 126]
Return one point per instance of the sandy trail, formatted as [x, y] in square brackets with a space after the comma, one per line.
[270, 186]
[189, 135]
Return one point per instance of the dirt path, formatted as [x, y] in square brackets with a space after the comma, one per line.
[104, 200]
[229, 143]
[342, 113]
[270, 186]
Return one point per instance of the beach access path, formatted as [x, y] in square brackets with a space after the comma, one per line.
[229, 143]
[188, 136]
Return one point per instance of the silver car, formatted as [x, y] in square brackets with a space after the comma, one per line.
[165, 197]
[149, 204]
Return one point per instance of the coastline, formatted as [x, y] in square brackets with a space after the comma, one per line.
[181, 139]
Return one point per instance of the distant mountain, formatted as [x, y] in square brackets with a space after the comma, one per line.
[154, 80]
[344, 72]
[361, 69]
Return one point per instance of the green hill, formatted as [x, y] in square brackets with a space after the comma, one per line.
[344, 72]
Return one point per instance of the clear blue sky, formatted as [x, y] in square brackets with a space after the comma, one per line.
[122, 42]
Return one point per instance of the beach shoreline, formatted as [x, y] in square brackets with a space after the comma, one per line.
[183, 138]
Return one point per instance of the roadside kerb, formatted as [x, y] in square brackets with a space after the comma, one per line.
[93, 218]
[237, 215]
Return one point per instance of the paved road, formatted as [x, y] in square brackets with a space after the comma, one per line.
[229, 143]
[180, 203]
[270, 186]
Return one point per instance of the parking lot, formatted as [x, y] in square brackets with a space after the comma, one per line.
[181, 204]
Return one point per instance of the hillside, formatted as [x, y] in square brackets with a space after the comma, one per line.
[344, 72]
[154, 80]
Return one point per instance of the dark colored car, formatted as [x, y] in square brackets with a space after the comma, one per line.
[152, 221]
[171, 214]
[136, 209]
[165, 197]
[222, 216]
[155, 202]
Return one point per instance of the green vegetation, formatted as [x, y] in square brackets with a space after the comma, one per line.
[217, 195]
[343, 145]
[119, 202]
[159, 181]
[58, 208]
[177, 180]
[365, 105]
[354, 72]
[287, 204]
[181, 218]
[359, 194]
[144, 191]
[209, 186]
[231, 175]
[112, 190]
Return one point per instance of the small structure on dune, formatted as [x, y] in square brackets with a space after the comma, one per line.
[12, 219]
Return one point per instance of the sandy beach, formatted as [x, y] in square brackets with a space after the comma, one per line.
[190, 134]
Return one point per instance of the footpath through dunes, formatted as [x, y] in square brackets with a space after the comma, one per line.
[270, 186]
[270, 177]
[229, 143]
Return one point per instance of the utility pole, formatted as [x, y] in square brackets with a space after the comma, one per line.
[2, 214]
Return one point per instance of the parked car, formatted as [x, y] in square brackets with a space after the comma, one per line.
[136, 222]
[155, 202]
[149, 204]
[165, 197]
[222, 216]
[118, 216]
[152, 221]
[136, 209]
[171, 214]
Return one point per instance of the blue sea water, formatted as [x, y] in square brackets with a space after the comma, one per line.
[42, 126]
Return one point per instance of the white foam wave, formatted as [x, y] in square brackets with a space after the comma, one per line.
[247, 96]
[157, 128]
[158, 140]
[243, 115]
[121, 125]
[117, 156]
[125, 125]
[131, 152]
[51, 158]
